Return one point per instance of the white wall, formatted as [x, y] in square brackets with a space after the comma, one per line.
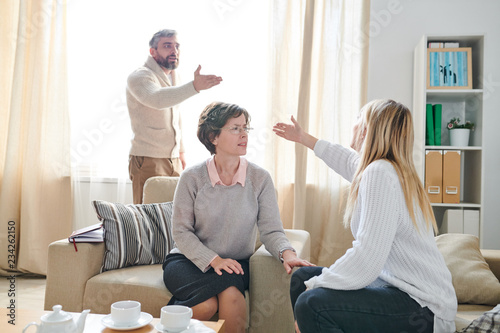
[396, 27]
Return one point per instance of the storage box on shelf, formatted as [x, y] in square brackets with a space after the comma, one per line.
[463, 103]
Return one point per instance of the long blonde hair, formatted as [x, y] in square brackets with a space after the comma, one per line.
[389, 136]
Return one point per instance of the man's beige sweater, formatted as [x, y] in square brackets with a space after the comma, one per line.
[155, 119]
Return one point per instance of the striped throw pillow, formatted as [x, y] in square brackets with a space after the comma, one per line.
[135, 234]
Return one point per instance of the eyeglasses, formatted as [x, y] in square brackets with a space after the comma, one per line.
[237, 130]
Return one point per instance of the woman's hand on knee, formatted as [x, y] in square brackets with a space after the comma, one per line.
[229, 265]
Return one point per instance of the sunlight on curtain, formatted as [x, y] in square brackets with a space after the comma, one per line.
[227, 38]
[35, 190]
[318, 73]
[8, 31]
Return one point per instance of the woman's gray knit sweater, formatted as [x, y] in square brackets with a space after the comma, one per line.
[223, 220]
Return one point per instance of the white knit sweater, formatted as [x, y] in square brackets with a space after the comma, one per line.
[155, 120]
[386, 244]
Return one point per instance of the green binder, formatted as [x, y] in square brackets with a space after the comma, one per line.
[429, 126]
[437, 111]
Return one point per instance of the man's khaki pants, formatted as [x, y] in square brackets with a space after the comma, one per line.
[141, 168]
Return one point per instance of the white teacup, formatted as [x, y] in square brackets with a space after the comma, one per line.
[125, 313]
[175, 318]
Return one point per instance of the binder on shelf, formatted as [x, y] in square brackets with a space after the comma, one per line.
[437, 111]
[434, 175]
[435, 45]
[453, 222]
[451, 176]
[471, 222]
[438, 45]
[451, 44]
[429, 126]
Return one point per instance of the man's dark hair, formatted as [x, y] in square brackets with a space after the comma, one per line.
[153, 43]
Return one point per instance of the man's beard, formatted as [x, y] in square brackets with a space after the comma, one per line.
[171, 65]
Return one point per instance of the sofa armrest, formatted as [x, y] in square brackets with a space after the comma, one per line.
[492, 257]
[68, 271]
[270, 305]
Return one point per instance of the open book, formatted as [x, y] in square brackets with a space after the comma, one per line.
[90, 234]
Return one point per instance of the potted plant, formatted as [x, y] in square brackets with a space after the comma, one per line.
[459, 133]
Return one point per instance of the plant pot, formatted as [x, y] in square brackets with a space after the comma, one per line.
[459, 137]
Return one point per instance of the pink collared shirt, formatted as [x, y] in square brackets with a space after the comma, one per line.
[239, 176]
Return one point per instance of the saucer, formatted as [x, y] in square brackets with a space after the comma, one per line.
[144, 319]
[160, 328]
[195, 326]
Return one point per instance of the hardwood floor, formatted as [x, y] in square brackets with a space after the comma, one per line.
[29, 291]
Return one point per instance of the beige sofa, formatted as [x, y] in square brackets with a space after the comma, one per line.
[74, 279]
[468, 312]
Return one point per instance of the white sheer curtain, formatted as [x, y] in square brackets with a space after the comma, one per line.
[227, 38]
[35, 187]
[318, 73]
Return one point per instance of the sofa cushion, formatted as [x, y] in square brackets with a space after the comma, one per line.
[473, 280]
[135, 234]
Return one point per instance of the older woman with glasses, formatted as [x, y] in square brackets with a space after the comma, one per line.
[219, 206]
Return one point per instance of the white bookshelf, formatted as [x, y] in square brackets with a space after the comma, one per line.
[467, 104]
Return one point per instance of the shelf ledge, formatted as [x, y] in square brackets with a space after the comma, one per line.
[454, 91]
[458, 205]
[453, 147]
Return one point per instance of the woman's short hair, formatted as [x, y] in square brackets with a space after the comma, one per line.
[153, 43]
[213, 118]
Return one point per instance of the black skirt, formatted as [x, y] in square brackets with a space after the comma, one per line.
[190, 286]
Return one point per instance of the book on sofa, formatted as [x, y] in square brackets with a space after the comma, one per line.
[91, 234]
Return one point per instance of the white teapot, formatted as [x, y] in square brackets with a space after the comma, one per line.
[60, 322]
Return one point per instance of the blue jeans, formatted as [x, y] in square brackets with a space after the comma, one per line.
[383, 309]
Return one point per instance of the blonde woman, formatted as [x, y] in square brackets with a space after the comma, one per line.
[393, 279]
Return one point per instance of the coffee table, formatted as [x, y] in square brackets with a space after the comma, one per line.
[92, 323]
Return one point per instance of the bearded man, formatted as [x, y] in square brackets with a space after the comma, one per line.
[153, 95]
